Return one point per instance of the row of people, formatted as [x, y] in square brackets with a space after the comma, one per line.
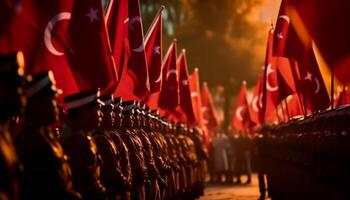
[307, 158]
[101, 148]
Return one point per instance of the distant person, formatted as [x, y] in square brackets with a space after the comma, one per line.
[220, 144]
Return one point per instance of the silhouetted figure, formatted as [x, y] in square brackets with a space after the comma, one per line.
[84, 116]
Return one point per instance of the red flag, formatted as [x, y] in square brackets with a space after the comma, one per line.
[285, 79]
[169, 97]
[240, 115]
[133, 84]
[210, 116]
[256, 104]
[8, 9]
[153, 48]
[117, 18]
[328, 24]
[270, 86]
[184, 88]
[39, 30]
[92, 61]
[308, 77]
[196, 97]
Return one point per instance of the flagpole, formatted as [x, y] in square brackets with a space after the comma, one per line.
[278, 117]
[332, 89]
[285, 102]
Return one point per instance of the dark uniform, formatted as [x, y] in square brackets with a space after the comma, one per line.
[46, 173]
[134, 144]
[111, 173]
[84, 116]
[11, 103]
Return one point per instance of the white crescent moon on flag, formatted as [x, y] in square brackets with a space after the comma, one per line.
[317, 90]
[239, 113]
[255, 104]
[139, 49]
[49, 28]
[285, 17]
[260, 100]
[268, 86]
[159, 78]
[172, 71]
[133, 20]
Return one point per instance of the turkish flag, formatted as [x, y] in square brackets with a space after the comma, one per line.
[285, 78]
[270, 96]
[308, 78]
[117, 18]
[255, 105]
[169, 97]
[240, 114]
[312, 84]
[196, 97]
[133, 83]
[209, 113]
[153, 49]
[184, 88]
[92, 61]
[328, 24]
[39, 30]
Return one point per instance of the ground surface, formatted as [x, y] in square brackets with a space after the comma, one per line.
[232, 192]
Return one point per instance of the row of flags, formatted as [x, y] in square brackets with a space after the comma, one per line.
[291, 83]
[87, 47]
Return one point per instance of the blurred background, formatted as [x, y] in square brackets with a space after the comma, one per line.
[225, 39]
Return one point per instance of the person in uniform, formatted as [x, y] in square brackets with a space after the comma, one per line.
[142, 130]
[111, 173]
[84, 116]
[12, 102]
[137, 163]
[114, 134]
[46, 172]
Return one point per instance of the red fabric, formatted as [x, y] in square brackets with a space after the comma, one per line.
[92, 62]
[117, 23]
[133, 84]
[169, 97]
[269, 95]
[27, 29]
[209, 113]
[184, 88]
[307, 75]
[329, 27]
[256, 104]
[196, 98]
[240, 114]
[294, 106]
[285, 79]
[153, 49]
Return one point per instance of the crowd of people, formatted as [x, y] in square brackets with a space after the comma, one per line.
[100, 147]
[230, 157]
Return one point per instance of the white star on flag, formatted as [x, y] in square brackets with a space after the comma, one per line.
[308, 76]
[184, 82]
[156, 50]
[92, 14]
[280, 36]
